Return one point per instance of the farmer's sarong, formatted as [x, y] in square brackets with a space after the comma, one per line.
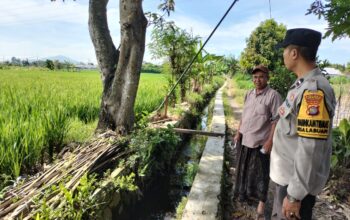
[252, 179]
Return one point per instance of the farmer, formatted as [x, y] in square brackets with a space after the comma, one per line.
[255, 132]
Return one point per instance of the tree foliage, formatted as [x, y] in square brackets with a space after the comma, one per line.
[205, 67]
[151, 68]
[341, 145]
[281, 79]
[175, 44]
[336, 13]
[49, 64]
[338, 66]
[260, 49]
[232, 65]
[347, 68]
[261, 44]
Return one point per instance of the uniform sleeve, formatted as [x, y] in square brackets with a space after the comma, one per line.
[313, 128]
[306, 164]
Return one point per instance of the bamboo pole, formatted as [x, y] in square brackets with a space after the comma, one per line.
[198, 132]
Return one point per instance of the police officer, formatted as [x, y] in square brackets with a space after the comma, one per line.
[302, 145]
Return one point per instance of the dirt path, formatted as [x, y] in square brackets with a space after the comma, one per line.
[233, 210]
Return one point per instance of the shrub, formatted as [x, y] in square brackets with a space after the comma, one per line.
[243, 81]
[281, 80]
[77, 205]
[154, 149]
[341, 145]
[339, 80]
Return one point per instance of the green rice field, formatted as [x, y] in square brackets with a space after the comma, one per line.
[41, 109]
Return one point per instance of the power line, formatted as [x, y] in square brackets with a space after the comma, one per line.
[195, 57]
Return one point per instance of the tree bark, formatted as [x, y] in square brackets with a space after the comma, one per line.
[120, 70]
[106, 54]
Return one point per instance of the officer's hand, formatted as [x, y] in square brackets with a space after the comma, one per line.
[267, 146]
[237, 137]
[291, 210]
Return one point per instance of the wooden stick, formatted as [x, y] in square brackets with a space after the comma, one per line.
[160, 121]
[197, 132]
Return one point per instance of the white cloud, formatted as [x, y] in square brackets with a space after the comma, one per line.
[19, 12]
[65, 27]
[41, 28]
[228, 39]
[231, 39]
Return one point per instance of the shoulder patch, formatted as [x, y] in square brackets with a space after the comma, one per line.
[313, 119]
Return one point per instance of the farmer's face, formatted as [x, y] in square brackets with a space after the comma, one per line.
[260, 80]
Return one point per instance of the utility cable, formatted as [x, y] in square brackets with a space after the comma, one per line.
[195, 57]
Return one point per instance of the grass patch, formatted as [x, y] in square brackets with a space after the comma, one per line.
[241, 84]
[341, 85]
[79, 131]
[180, 208]
[42, 110]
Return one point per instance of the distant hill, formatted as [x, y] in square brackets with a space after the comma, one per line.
[61, 59]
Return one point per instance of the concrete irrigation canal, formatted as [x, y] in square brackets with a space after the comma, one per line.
[196, 177]
[198, 185]
[203, 199]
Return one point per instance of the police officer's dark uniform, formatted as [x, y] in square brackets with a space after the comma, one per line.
[300, 157]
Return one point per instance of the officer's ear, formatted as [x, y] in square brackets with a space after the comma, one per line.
[294, 52]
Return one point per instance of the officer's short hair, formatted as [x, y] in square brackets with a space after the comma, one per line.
[309, 54]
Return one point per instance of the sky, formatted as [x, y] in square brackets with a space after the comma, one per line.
[36, 29]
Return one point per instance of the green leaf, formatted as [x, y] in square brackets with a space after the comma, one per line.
[334, 161]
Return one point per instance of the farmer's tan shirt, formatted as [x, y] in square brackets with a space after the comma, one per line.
[257, 115]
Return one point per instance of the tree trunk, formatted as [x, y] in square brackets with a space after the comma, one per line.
[106, 54]
[120, 70]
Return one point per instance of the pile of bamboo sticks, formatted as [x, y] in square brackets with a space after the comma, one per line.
[18, 202]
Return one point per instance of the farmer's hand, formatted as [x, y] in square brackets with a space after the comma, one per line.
[237, 137]
[267, 146]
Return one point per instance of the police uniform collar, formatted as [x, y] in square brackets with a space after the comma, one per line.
[312, 73]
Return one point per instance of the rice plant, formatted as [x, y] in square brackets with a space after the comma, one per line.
[40, 111]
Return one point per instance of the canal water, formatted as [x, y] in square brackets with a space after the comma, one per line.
[165, 194]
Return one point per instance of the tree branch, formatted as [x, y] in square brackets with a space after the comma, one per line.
[106, 53]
